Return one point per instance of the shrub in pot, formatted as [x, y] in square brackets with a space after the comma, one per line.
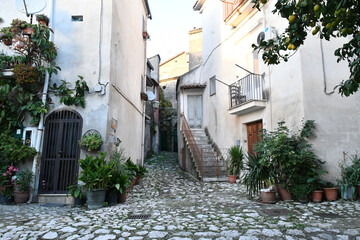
[77, 191]
[132, 171]
[236, 162]
[289, 154]
[22, 189]
[96, 175]
[121, 175]
[258, 178]
[300, 192]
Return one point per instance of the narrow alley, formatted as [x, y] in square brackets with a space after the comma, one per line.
[170, 204]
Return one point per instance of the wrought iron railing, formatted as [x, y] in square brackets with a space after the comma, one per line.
[197, 154]
[246, 89]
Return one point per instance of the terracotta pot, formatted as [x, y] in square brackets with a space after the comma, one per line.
[138, 180]
[331, 193]
[121, 197]
[43, 23]
[7, 42]
[317, 196]
[133, 183]
[268, 196]
[28, 31]
[21, 197]
[232, 178]
[4, 187]
[284, 194]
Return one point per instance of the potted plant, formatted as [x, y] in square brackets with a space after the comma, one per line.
[132, 170]
[236, 162]
[350, 176]
[77, 191]
[96, 175]
[6, 36]
[91, 141]
[6, 187]
[258, 178]
[22, 186]
[330, 191]
[315, 183]
[140, 173]
[42, 19]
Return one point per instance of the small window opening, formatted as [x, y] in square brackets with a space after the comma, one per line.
[77, 18]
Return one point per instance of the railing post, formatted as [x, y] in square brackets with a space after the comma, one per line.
[202, 167]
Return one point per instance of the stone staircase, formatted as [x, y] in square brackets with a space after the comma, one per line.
[214, 167]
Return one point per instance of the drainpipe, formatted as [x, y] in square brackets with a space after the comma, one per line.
[41, 122]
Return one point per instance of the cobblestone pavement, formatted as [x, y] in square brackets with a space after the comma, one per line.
[183, 208]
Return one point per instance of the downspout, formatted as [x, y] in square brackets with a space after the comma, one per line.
[41, 122]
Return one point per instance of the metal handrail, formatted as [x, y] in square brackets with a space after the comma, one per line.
[194, 148]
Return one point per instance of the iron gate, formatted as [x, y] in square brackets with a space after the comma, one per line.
[59, 163]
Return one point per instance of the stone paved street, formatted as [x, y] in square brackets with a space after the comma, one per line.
[183, 208]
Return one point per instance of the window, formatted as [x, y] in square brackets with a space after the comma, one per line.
[212, 85]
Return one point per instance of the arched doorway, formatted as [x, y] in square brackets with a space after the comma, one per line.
[59, 163]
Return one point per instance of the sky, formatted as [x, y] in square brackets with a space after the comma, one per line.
[171, 22]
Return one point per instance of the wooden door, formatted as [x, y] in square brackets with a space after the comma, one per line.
[59, 164]
[253, 134]
[194, 105]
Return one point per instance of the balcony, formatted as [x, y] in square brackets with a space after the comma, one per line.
[236, 10]
[246, 95]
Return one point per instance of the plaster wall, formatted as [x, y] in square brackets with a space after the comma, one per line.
[169, 90]
[128, 59]
[195, 48]
[336, 117]
[174, 67]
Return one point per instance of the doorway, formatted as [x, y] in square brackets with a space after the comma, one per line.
[59, 163]
[195, 113]
[253, 134]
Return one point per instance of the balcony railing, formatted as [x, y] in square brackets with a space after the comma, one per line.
[246, 89]
[229, 6]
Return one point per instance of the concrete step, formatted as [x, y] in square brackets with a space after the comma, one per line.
[55, 199]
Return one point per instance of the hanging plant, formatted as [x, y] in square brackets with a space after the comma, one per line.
[91, 141]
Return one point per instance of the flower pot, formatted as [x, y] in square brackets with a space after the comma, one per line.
[111, 198]
[79, 202]
[121, 197]
[317, 196]
[138, 180]
[43, 23]
[21, 196]
[4, 187]
[331, 193]
[96, 198]
[28, 31]
[267, 196]
[232, 178]
[133, 183]
[6, 201]
[7, 42]
[284, 194]
[304, 199]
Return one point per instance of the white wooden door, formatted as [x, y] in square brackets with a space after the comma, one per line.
[195, 111]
